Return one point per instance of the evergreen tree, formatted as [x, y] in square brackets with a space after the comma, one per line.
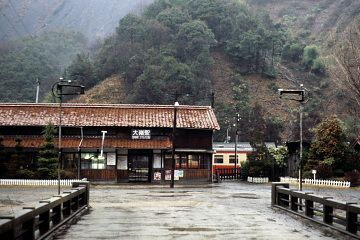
[48, 159]
[329, 144]
[3, 157]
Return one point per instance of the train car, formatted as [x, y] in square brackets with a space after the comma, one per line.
[224, 154]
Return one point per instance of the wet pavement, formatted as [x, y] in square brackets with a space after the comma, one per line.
[228, 210]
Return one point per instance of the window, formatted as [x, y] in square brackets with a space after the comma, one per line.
[204, 161]
[93, 161]
[185, 161]
[232, 159]
[181, 161]
[157, 161]
[193, 161]
[219, 159]
[70, 160]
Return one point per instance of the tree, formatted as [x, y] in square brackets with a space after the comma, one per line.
[48, 160]
[173, 18]
[164, 74]
[212, 12]
[131, 29]
[3, 157]
[347, 61]
[193, 42]
[156, 7]
[311, 53]
[259, 160]
[82, 70]
[36, 59]
[329, 144]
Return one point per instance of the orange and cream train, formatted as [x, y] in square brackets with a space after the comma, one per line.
[224, 154]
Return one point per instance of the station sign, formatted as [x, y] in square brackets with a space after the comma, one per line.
[140, 134]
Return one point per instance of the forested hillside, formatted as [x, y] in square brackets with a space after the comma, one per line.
[43, 57]
[243, 51]
[233, 48]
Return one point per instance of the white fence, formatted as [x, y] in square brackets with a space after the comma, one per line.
[37, 182]
[316, 182]
[258, 179]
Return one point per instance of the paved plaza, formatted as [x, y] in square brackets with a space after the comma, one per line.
[228, 210]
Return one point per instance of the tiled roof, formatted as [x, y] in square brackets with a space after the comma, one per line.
[123, 115]
[93, 142]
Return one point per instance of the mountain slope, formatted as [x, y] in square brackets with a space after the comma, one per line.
[91, 17]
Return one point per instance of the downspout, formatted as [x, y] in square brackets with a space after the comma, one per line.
[79, 150]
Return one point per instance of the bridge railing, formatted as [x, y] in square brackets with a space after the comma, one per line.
[338, 215]
[39, 221]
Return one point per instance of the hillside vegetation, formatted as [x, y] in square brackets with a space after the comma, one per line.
[243, 51]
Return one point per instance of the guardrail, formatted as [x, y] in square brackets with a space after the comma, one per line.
[316, 182]
[38, 182]
[338, 215]
[38, 222]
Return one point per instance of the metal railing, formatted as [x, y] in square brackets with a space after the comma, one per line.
[338, 215]
[228, 173]
[39, 221]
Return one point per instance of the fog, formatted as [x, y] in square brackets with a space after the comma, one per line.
[94, 18]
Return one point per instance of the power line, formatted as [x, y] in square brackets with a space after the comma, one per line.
[31, 39]
[22, 23]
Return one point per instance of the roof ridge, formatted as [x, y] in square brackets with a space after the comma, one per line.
[95, 105]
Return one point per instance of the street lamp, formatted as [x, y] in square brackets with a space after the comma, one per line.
[172, 181]
[237, 119]
[59, 89]
[298, 95]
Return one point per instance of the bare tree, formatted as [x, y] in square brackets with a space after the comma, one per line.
[346, 67]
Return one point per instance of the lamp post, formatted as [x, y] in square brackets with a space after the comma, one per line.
[298, 95]
[59, 89]
[172, 182]
[237, 119]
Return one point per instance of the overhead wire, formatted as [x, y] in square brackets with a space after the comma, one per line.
[31, 38]
[22, 23]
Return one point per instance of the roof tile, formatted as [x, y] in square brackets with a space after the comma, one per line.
[123, 115]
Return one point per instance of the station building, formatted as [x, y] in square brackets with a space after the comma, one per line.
[117, 142]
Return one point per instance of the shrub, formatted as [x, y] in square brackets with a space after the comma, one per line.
[324, 171]
[353, 177]
[68, 174]
[318, 66]
[308, 174]
[295, 174]
[245, 167]
[26, 174]
[257, 171]
[339, 173]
